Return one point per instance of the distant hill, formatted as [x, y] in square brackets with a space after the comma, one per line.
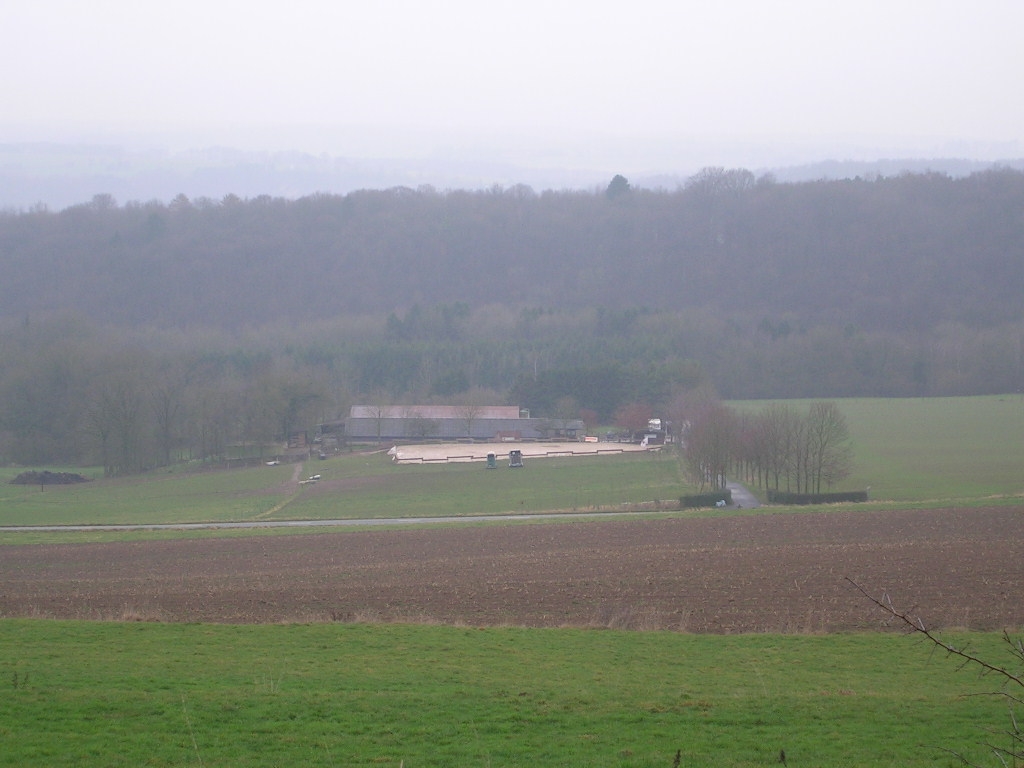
[898, 253]
[62, 175]
[833, 170]
[852, 169]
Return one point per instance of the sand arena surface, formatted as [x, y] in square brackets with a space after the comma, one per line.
[452, 452]
[783, 572]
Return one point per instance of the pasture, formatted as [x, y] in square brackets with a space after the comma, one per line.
[392, 695]
[355, 485]
[936, 450]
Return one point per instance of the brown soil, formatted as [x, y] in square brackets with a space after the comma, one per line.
[771, 572]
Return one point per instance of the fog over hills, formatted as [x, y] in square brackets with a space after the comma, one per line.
[59, 174]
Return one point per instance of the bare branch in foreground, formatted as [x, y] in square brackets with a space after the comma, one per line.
[916, 624]
[1006, 756]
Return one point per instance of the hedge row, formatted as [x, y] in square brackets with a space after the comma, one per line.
[783, 497]
[706, 499]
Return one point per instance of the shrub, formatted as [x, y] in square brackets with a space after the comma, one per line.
[706, 499]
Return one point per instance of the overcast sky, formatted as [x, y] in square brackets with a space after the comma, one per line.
[569, 77]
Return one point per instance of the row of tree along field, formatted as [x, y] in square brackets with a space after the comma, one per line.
[779, 447]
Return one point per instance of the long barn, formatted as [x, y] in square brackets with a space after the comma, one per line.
[455, 422]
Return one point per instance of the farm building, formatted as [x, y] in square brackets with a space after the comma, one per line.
[453, 422]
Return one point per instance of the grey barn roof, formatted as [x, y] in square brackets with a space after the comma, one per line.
[453, 422]
[434, 411]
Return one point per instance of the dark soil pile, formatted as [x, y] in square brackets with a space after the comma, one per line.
[46, 477]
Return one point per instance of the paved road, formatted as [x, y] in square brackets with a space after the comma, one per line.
[741, 497]
[313, 523]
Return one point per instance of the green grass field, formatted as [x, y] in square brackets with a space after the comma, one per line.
[345, 695]
[470, 489]
[371, 487]
[159, 497]
[942, 450]
[938, 448]
[102, 694]
[933, 449]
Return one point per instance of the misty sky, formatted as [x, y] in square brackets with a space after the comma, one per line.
[391, 77]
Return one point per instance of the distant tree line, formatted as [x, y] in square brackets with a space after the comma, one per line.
[70, 395]
[71, 391]
[906, 253]
[131, 335]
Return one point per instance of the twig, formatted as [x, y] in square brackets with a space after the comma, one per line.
[1016, 750]
[916, 624]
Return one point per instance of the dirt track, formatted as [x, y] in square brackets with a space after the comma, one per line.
[782, 572]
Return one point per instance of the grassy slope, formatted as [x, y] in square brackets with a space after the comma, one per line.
[942, 450]
[159, 497]
[132, 694]
[933, 448]
[469, 489]
[370, 486]
[939, 448]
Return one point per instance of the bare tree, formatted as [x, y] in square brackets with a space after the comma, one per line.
[828, 446]
[710, 445]
[634, 417]
[215, 419]
[806, 450]
[776, 435]
[116, 419]
[166, 401]
[686, 405]
[469, 413]
[417, 425]
[378, 412]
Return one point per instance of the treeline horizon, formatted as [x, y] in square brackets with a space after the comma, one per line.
[553, 301]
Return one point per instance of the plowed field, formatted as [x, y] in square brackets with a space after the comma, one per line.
[770, 572]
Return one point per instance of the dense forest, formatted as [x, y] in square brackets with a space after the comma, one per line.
[217, 322]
